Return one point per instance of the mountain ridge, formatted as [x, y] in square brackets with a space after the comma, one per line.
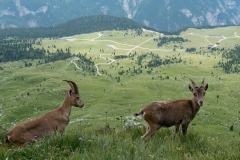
[163, 15]
[81, 25]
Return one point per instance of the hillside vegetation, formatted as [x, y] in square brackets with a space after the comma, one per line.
[79, 25]
[118, 72]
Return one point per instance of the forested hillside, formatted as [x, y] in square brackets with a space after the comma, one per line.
[15, 49]
[163, 15]
[76, 26]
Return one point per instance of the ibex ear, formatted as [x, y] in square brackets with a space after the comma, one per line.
[70, 91]
[190, 88]
[206, 87]
[67, 93]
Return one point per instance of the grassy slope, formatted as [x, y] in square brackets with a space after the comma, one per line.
[30, 92]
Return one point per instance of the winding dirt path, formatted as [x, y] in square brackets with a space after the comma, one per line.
[128, 51]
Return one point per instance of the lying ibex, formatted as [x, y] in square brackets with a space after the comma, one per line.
[173, 113]
[54, 121]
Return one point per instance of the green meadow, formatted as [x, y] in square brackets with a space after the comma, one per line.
[120, 87]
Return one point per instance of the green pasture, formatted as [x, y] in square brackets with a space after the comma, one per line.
[28, 92]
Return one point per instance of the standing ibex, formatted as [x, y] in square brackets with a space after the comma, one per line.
[173, 113]
[54, 121]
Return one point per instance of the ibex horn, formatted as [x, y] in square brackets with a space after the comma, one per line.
[193, 83]
[73, 86]
[202, 85]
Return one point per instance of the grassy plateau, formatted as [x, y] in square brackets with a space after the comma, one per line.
[104, 128]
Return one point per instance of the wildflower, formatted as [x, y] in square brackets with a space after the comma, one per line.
[35, 137]
[104, 146]
[80, 139]
[152, 156]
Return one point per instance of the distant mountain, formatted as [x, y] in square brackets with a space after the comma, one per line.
[163, 15]
[79, 25]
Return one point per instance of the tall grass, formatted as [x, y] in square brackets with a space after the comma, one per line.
[28, 92]
[107, 144]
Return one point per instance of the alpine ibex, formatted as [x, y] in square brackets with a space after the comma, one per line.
[173, 113]
[54, 121]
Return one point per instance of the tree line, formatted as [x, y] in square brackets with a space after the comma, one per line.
[14, 49]
[76, 26]
[154, 60]
[230, 61]
[165, 40]
[151, 61]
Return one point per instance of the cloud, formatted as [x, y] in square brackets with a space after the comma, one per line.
[186, 12]
[104, 9]
[146, 23]
[6, 12]
[24, 11]
[32, 23]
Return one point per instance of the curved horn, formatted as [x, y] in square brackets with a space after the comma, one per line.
[193, 83]
[202, 85]
[73, 86]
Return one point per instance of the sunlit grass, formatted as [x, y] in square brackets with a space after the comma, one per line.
[28, 92]
[107, 143]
